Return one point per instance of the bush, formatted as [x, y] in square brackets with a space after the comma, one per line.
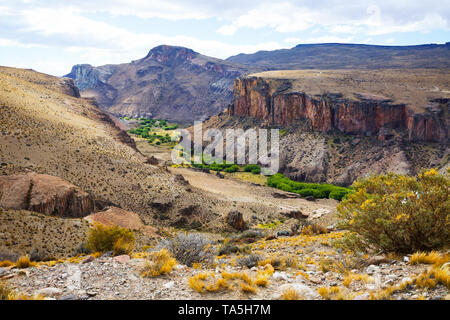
[317, 190]
[24, 262]
[5, 290]
[250, 261]
[158, 263]
[190, 248]
[338, 194]
[123, 245]
[397, 213]
[252, 167]
[102, 239]
[233, 168]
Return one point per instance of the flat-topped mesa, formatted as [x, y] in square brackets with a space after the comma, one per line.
[279, 101]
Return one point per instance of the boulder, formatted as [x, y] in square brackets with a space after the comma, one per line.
[122, 259]
[236, 220]
[125, 219]
[45, 194]
[376, 260]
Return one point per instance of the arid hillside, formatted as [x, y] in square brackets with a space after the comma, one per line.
[46, 131]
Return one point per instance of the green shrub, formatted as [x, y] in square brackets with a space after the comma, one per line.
[231, 169]
[397, 213]
[316, 190]
[251, 167]
[102, 238]
[338, 194]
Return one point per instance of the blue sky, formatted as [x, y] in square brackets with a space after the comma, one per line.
[50, 36]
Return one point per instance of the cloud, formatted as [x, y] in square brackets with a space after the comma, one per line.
[335, 17]
[322, 39]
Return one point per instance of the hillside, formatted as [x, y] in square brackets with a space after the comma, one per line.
[46, 131]
[171, 83]
[348, 56]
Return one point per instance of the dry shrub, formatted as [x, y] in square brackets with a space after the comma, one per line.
[6, 263]
[290, 294]
[432, 257]
[190, 248]
[5, 290]
[103, 238]
[398, 213]
[24, 262]
[158, 263]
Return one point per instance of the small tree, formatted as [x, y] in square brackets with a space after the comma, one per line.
[398, 213]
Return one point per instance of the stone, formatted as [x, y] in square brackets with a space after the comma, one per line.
[122, 259]
[372, 269]
[236, 220]
[87, 259]
[283, 233]
[376, 260]
[406, 259]
[169, 285]
[278, 276]
[49, 292]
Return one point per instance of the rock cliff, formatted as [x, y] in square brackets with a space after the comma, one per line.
[279, 103]
[45, 194]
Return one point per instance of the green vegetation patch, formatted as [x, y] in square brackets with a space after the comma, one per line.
[317, 190]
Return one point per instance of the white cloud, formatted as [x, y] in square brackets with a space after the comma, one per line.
[322, 39]
[335, 17]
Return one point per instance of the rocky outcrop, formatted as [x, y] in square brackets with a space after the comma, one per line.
[45, 194]
[255, 97]
[125, 219]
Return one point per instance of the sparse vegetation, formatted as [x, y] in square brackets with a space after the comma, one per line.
[290, 294]
[103, 238]
[5, 290]
[158, 263]
[24, 262]
[190, 248]
[398, 213]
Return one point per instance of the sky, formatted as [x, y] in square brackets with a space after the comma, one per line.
[51, 36]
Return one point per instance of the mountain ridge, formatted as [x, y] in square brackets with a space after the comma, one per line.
[170, 82]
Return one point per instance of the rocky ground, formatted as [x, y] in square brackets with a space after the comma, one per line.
[315, 270]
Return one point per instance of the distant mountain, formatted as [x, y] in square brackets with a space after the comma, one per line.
[348, 56]
[173, 83]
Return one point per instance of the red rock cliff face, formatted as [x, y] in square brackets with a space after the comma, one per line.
[45, 194]
[253, 97]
